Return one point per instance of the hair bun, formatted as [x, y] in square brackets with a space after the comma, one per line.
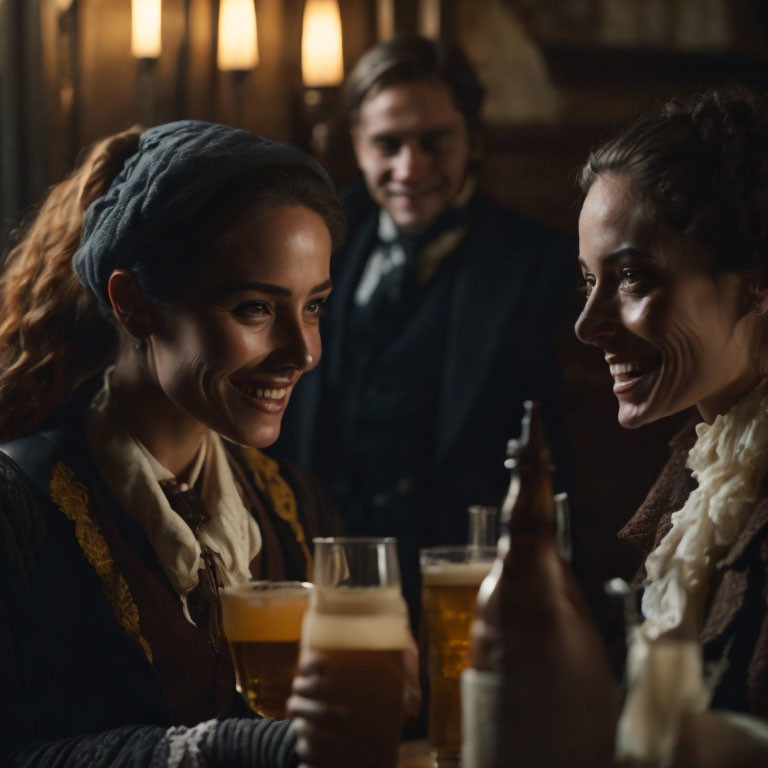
[701, 163]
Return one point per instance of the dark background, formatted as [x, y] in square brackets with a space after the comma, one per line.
[560, 74]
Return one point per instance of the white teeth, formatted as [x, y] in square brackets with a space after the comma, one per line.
[618, 369]
[262, 393]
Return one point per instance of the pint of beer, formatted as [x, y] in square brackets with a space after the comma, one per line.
[262, 622]
[351, 662]
[450, 578]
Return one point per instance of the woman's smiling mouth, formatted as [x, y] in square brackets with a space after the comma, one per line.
[628, 375]
[270, 399]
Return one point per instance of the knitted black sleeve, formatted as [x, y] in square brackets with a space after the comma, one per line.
[236, 743]
[241, 743]
[132, 746]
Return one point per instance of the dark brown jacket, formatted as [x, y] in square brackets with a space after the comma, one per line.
[736, 620]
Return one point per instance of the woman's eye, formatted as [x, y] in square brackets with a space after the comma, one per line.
[317, 307]
[586, 284]
[252, 309]
[634, 279]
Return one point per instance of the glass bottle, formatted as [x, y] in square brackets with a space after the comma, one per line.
[537, 662]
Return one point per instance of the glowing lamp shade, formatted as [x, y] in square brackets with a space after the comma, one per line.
[322, 61]
[237, 49]
[145, 29]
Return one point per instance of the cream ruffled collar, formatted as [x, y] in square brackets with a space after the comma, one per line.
[231, 530]
[665, 673]
[729, 460]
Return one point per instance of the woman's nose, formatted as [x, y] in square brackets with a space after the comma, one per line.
[297, 344]
[596, 321]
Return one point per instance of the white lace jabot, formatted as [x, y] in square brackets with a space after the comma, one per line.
[127, 470]
[729, 460]
[665, 671]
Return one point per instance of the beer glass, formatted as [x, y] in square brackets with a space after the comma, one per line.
[353, 638]
[483, 525]
[450, 579]
[262, 622]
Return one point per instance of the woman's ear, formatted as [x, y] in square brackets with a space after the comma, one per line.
[757, 292]
[129, 304]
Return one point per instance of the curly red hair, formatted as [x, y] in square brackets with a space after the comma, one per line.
[53, 336]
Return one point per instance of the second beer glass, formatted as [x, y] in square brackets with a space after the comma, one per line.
[354, 634]
[262, 622]
[450, 578]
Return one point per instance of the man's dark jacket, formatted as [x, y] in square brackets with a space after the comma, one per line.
[506, 287]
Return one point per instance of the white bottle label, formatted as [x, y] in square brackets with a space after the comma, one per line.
[482, 703]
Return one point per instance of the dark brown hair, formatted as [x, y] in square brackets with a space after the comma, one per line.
[409, 58]
[700, 168]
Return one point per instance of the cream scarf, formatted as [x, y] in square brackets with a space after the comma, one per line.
[125, 466]
[665, 673]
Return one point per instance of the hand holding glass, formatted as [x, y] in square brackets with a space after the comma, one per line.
[351, 674]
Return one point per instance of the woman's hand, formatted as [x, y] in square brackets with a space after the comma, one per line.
[344, 722]
[320, 722]
[715, 739]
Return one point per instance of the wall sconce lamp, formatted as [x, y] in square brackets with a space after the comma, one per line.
[237, 50]
[146, 41]
[322, 67]
[322, 60]
[68, 77]
[146, 46]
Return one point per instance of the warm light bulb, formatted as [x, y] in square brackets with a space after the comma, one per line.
[145, 28]
[322, 61]
[238, 48]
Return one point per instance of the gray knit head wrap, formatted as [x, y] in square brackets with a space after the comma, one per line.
[176, 171]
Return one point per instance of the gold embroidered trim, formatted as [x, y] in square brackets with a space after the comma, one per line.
[269, 480]
[72, 499]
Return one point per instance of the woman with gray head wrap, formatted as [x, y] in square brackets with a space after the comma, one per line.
[157, 313]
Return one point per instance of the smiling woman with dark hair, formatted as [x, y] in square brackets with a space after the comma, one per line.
[157, 314]
[673, 247]
[673, 241]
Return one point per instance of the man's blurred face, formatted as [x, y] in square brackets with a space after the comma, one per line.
[413, 148]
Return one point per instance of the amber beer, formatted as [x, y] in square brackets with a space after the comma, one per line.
[450, 578]
[262, 622]
[357, 636]
[352, 658]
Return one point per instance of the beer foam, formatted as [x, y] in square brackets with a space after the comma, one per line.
[362, 618]
[446, 574]
[271, 617]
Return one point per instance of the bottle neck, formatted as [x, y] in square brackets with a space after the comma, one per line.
[528, 507]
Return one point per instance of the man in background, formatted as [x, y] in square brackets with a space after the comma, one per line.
[440, 320]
